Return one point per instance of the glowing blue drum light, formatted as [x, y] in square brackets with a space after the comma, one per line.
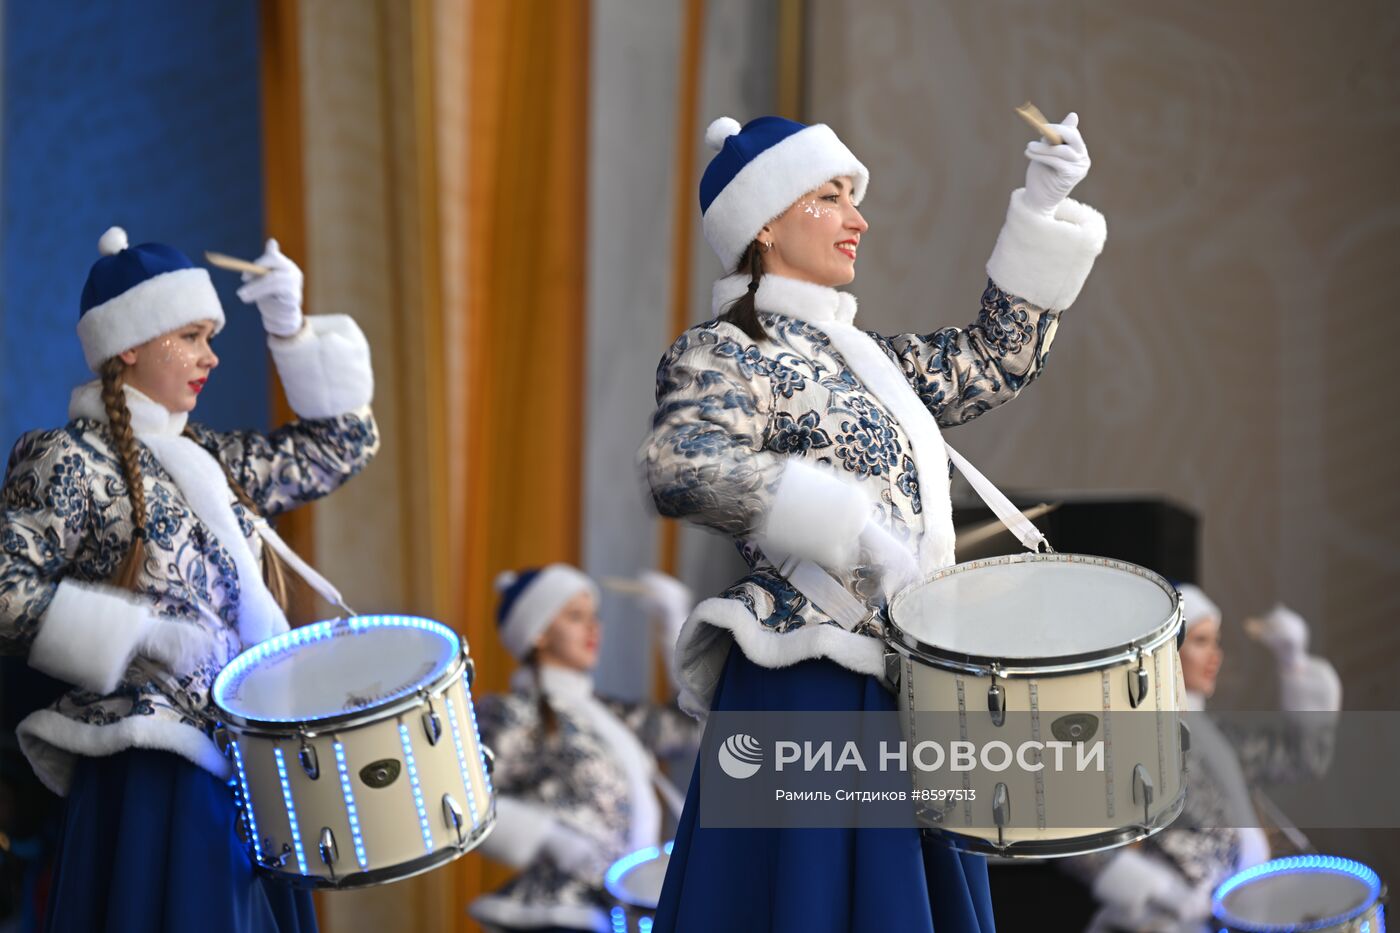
[291, 809]
[350, 810]
[476, 731]
[232, 675]
[619, 920]
[643, 925]
[1299, 864]
[462, 760]
[417, 788]
[247, 801]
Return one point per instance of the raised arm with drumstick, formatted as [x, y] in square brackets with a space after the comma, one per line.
[135, 545]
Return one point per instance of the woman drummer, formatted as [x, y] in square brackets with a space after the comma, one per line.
[574, 772]
[815, 445]
[132, 551]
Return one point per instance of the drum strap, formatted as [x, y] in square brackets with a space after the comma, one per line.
[320, 584]
[1012, 517]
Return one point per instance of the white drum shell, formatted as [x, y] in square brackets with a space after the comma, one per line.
[932, 682]
[397, 838]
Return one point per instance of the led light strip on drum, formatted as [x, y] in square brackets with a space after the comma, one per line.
[291, 809]
[462, 760]
[417, 788]
[247, 801]
[480, 749]
[350, 810]
[1297, 864]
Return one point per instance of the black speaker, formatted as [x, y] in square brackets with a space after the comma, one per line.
[1152, 533]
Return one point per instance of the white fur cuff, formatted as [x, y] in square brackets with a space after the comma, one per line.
[1045, 260]
[325, 367]
[89, 634]
[815, 516]
[519, 832]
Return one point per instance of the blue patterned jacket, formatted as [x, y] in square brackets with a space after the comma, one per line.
[65, 520]
[764, 441]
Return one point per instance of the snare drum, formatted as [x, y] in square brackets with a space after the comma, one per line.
[634, 881]
[1038, 647]
[1302, 892]
[356, 750]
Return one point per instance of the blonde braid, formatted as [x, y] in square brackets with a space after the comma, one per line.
[113, 374]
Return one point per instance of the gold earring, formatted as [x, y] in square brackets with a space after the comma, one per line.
[767, 247]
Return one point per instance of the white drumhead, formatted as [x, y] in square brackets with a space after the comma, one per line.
[636, 879]
[335, 668]
[1298, 890]
[1031, 609]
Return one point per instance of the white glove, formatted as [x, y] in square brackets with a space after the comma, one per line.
[895, 563]
[178, 646]
[277, 294]
[1055, 170]
[571, 850]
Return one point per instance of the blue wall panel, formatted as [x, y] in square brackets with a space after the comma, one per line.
[144, 114]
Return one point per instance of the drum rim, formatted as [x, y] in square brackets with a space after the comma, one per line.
[1289, 864]
[613, 878]
[911, 645]
[251, 725]
[1066, 848]
[388, 875]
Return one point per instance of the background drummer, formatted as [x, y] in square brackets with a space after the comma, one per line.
[575, 775]
[132, 568]
[1165, 882]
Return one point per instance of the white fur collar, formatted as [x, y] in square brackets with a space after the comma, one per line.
[205, 489]
[1195, 702]
[805, 301]
[147, 415]
[561, 683]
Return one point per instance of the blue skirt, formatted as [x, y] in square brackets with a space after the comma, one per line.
[149, 845]
[814, 880]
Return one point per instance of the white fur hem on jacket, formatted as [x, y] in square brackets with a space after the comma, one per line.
[705, 640]
[51, 741]
[1045, 260]
[325, 367]
[502, 911]
[89, 634]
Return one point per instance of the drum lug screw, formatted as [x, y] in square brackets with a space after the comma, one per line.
[223, 741]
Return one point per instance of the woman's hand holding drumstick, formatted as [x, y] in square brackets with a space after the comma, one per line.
[1058, 162]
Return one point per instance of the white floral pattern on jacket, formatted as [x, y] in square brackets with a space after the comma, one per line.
[65, 515]
[733, 414]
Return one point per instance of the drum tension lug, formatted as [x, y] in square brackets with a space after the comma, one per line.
[452, 816]
[432, 723]
[223, 741]
[892, 670]
[490, 758]
[309, 762]
[470, 669]
[330, 852]
[996, 701]
[1143, 791]
[1001, 812]
[1137, 683]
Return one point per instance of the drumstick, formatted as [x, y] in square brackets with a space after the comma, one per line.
[990, 529]
[234, 264]
[1032, 115]
[623, 585]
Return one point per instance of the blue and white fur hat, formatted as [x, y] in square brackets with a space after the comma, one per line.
[136, 293]
[531, 600]
[760, 170]
[1196, 606]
